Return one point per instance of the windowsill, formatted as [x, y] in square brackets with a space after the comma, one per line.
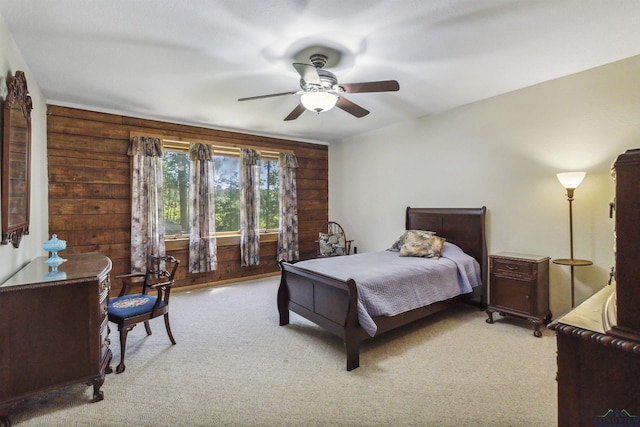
[233, 240]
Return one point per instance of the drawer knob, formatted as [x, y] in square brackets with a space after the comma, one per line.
[511, 267]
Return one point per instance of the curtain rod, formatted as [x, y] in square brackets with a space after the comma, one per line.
[215, 144]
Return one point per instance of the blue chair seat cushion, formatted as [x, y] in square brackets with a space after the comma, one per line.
[132, 305]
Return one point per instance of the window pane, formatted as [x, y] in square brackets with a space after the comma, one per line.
[269, 194]
[175, 171]
[227, 192]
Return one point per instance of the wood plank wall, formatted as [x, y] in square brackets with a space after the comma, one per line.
[90, 192]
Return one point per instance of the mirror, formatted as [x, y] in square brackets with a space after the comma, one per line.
[16, 160]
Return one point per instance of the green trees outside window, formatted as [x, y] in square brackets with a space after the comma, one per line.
[175, 174]
[269, 194]
[227, 193]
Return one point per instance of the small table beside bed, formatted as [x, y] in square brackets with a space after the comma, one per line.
[357, 297]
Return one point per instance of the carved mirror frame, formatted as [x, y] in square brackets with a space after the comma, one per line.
[16, 160]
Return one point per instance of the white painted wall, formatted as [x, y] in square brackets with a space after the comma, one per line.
[502, 153]
[12, 259]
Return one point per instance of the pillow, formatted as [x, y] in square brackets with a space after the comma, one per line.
[420, 245]
[332, 244]
[398, 243]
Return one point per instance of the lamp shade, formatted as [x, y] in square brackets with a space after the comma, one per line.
[318, 101]
[571, 179]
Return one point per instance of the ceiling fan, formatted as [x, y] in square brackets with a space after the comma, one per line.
[321, 91]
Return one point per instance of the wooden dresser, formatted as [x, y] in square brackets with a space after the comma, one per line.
[53, 328]
[599, 341]
[598, 373]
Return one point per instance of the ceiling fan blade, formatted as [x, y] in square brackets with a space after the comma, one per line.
[351, 108]
[295, 113]
[308, 72]
[381, 86]
[266, 96]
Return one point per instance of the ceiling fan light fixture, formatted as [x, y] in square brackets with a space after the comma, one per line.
[318, 101]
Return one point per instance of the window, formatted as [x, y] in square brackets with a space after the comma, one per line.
[175, 173]
[226, 175]
[175, 169]
[269, 194]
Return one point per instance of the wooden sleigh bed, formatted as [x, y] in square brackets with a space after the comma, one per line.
[332, 303]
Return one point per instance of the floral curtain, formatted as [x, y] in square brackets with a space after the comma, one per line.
[202, 237]
[147, 216]
[249, 207]
[288, 249]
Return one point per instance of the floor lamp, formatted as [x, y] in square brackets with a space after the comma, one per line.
[570, 181]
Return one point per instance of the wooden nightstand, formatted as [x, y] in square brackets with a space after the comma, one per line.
[519, 286]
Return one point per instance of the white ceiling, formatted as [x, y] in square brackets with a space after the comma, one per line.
[188, 61]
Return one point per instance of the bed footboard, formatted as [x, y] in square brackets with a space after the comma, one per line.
[326, 301]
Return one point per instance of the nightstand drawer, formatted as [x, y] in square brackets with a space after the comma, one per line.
[513, 269]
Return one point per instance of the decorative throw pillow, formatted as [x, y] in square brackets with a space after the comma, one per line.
[421, 245]
[332, 244]
[437, 243]
[398, 243]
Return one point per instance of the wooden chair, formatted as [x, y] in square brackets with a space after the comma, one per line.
[332, 240]
[127, 310]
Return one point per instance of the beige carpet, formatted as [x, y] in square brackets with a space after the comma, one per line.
[234, 366]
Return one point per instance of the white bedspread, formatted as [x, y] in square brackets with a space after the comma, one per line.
[389, 284]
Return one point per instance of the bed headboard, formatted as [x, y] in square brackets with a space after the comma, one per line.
[463, 227]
